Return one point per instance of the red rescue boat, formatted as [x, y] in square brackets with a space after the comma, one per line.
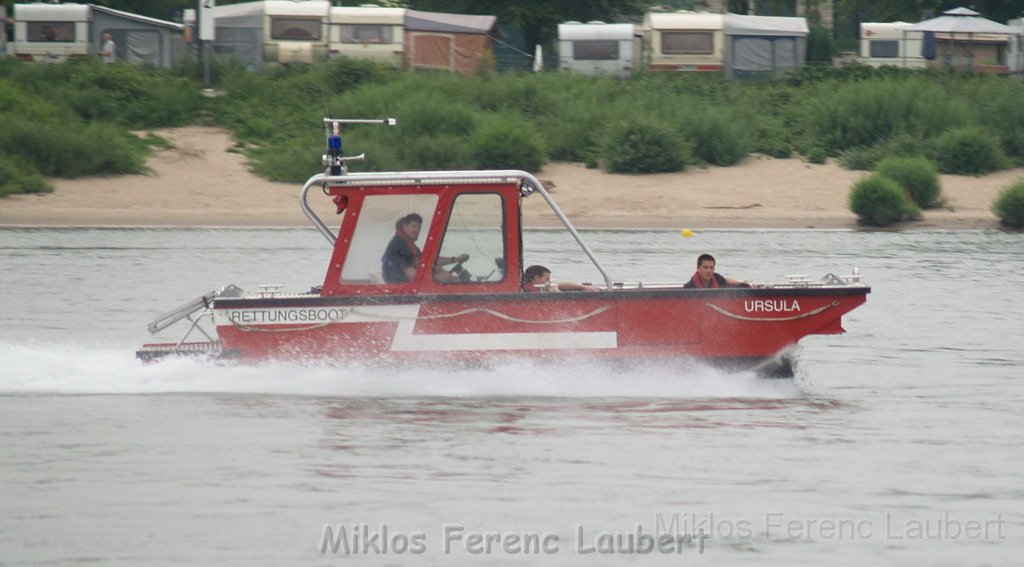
[437, 310]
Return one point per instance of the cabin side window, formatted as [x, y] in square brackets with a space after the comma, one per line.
[365, 33]
[303, 29]
[595, 50]
[380, 249]
[476, 228]
[884, 48]
[63, 32]
[687, 43]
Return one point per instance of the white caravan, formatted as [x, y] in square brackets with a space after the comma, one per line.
[51, 32]
[685, 41]
[368, 32]
[886, 43]
[597, 48]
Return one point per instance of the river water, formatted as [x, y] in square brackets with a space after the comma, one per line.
[899, 443]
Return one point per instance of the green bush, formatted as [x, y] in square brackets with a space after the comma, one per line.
[718, 137]
[969, 151]
[863, 113]
[819, 46]
[879, 201]
[917, 175]
[645, 146]
[867, 157]
[435, 152]
[1009, 205]
[19, 178]
[294, 160]
[816, 155]
[73, 150]
[507, 143]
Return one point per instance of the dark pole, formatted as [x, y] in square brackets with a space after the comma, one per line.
[206, 62]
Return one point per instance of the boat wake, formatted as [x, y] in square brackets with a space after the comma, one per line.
[87, 369]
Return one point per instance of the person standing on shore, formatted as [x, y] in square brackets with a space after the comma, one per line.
[108, 51]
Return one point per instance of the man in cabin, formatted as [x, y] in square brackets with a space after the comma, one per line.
[538, 278]
[398, 265]
[108, 51]
[705, 276]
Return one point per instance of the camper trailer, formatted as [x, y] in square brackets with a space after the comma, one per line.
[368, 32]
[275, 31]
[55, 32]
[597, 48]
[684, 41]
[51, 32]
[886, 43]
[295, 32]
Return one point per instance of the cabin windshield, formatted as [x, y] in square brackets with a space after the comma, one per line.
[376, 228]
[475, 228]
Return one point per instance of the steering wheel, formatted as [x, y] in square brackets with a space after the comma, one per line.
[460, 273]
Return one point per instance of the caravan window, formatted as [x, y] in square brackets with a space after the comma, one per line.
[295, 28]
[884, 48]
[365, 33]
[51, 31]
[687, 43]
[594, 50]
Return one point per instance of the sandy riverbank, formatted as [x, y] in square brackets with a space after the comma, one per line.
[199, 182]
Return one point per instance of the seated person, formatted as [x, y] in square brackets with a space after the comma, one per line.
[398, 265]
[538, 278]
[706, 277]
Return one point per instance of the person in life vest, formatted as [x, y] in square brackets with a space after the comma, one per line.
[538, 278]
[398, 265]
[705, 276]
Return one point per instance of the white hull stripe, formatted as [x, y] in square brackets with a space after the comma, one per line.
[405, 339]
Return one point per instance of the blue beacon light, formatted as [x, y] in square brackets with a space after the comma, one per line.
[334, 150]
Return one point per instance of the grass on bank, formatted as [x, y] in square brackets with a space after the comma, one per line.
[654, 122]
[74, 119]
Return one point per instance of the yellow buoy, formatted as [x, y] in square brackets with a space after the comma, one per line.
[686, 233]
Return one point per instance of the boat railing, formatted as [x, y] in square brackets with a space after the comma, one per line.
[194, 311]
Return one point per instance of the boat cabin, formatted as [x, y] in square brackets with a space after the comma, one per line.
[478, 218]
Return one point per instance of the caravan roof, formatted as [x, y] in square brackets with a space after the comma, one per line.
[888, 26]
[288, 8]
[684, 20]
[582, 32]
[774, 26]
[449, 23]
[139, 18]
[367, 15]
[52, 12]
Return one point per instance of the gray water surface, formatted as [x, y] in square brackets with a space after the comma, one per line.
[899, 443]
